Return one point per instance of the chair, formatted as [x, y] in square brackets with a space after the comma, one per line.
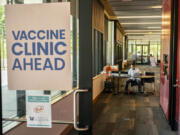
[108, 85]
[134, 86]
[149, 80]
[150, 73]
[124, 72]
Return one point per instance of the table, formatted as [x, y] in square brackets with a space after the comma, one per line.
[146, 76]
[116, 79]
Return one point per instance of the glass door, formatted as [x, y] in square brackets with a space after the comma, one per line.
[145, 54]
[139, 54]
[142, 52]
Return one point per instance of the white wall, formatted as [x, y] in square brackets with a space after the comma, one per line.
[98, 85]
[110, 44]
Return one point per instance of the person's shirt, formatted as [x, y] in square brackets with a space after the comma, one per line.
[108, 71]
[134, 74]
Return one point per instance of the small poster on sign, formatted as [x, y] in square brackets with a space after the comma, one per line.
[38, 111]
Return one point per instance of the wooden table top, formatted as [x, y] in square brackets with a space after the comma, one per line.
[147, 76]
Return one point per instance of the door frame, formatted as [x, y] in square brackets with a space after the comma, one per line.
[85, 65]
[173, 65]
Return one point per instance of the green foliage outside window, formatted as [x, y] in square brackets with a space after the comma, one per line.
[2, 37]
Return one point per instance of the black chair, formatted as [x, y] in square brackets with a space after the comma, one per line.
[124, 72]
[150, 73]
[149, 80]
[108, 86]
[115, 72]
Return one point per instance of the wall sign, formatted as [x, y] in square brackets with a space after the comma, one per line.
[38, 46]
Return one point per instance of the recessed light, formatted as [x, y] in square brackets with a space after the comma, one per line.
[159, 6]
[126, 0]
[149, 33]
[136, 17]
[154, 27]
[141, 23]
[142, 30]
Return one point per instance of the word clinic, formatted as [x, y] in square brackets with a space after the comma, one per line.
[33, 55]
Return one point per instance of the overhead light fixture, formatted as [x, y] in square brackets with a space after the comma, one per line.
[166, 22]
[149, 33]
[126, 0]
[142, 30]
[141, 23]
[136, 17]
[158, 6]
[165, 16]
[154, 27]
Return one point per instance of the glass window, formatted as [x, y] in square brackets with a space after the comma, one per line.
[97, 52]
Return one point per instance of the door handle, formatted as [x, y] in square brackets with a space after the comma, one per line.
[176, 86]
[75, 110]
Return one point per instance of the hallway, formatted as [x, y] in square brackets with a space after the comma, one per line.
[135, 114]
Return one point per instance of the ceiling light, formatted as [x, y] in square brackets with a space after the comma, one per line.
[136, 17]
[165, 16]
[126, 0]
[154, 27]
[143, 30]
[159, 6]
[141, 23]
[143, 33]
[166, 22]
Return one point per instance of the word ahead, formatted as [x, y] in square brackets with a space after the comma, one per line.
[36, 48]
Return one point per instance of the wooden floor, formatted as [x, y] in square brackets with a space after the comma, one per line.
[135, 114]
[129, 115]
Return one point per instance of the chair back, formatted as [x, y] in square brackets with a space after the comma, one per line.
[115, 72]
[124, 72]
[149, 80]
[149, 73]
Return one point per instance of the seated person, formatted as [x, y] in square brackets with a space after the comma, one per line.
[134, 77]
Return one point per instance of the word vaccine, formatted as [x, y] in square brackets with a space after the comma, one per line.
[39, 50]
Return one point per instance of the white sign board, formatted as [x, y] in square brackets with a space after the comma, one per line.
[38, 111]
[38, 46]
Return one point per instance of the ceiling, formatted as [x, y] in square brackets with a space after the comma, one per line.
[141, 19]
